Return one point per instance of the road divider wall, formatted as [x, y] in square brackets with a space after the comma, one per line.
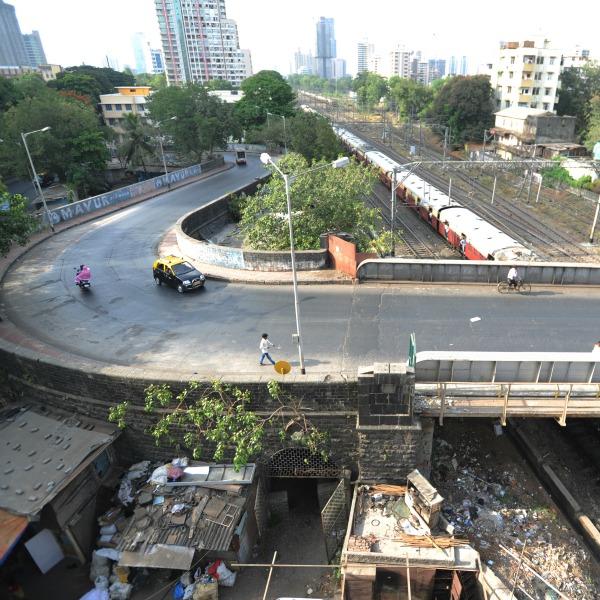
[148, 188]
[477, 271]
[189, 228]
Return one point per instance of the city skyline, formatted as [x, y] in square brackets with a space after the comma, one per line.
[68, 42]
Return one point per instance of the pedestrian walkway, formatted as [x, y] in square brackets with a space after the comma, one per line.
[168, 245]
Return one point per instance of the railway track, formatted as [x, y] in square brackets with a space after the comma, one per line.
[507, 215]
[413, 243]
[504, 214]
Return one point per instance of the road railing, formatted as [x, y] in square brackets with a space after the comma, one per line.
[476, 271]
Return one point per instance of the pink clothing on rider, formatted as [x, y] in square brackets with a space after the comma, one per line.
[84, 275]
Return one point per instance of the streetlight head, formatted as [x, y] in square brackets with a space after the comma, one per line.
[46, 129]
[341, 162]
[173, 118]
[265, 159]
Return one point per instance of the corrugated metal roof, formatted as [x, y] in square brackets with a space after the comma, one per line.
[41, 453]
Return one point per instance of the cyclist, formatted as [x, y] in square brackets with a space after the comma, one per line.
[513, 278]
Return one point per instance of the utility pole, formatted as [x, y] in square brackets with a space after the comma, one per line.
[494, 189]
[595, 220]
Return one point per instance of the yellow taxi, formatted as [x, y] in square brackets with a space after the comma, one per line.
[177, 273]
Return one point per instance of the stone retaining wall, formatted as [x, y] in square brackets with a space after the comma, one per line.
[381, 453]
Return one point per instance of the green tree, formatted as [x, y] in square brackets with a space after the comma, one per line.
[369, 88]
[16, 224]
[75, 139]
[592, 136]
[218, 84]
[138, 144]
[577, 88]
[9, 94]
[267, 91]
[30, 85]
[203, 121]
[409, 96]
[156, 82]
[80, 83]
[465, 104]
[312, 136]
[219, 416]
[330, 200]
[106, 78]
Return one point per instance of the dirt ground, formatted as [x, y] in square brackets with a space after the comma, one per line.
[493, 497]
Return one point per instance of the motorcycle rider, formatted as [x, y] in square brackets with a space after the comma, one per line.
[84, 275]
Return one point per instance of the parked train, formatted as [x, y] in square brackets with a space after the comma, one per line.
[473, 236]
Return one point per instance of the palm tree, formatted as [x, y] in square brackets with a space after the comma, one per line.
[138, 141]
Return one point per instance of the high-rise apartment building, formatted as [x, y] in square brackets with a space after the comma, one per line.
[364, 52]
[437, 69]
[526, 74]
[304, 63]
[339, 68]
[400, 62]
[158, 63]
[200, 43]
[12, 46]
[34, 49]
[141, 52]
[326, 48]
[463, 65]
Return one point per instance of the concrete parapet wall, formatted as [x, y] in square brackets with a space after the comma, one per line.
[477, 271]
[148, 188]
[189, 239]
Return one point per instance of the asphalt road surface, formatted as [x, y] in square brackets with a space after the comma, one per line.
[126, 320]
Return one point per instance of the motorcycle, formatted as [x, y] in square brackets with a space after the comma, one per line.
[83, 277]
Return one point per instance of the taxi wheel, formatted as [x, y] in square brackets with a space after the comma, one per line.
[157, 281]
[180, 289]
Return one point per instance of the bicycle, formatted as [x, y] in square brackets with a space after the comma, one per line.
[522, 287]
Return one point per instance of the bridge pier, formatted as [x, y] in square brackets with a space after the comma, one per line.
[391, 440]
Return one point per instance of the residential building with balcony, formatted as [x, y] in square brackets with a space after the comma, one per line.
[200, 43]
[526, 74]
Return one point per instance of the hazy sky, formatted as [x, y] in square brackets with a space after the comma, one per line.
[76, 31]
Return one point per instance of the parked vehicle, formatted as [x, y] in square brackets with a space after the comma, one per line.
[177, 273]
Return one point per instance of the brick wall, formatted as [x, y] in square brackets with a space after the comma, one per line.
[380, 451]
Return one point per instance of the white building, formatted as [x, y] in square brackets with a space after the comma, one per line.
[400, 62]
[526, 74]
[200, 43]
[125, 100]
[576, 58]
[364, 51]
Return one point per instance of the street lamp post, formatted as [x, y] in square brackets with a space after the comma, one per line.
[284, 133]
[35, 177]
[288, 180]
[162, 151]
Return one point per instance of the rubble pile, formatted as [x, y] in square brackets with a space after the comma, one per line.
[493, 501]
[164, 515]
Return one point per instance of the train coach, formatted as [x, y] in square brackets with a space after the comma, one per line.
[462, 228]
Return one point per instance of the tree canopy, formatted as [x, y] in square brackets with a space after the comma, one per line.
[267, 91]
[330, 200]
[202, 121]
[466, 105]
[577, 88]
[370, 88]
[16, 224]
[74, 148]
[592, 136]
[409, 96]
[312, 136]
